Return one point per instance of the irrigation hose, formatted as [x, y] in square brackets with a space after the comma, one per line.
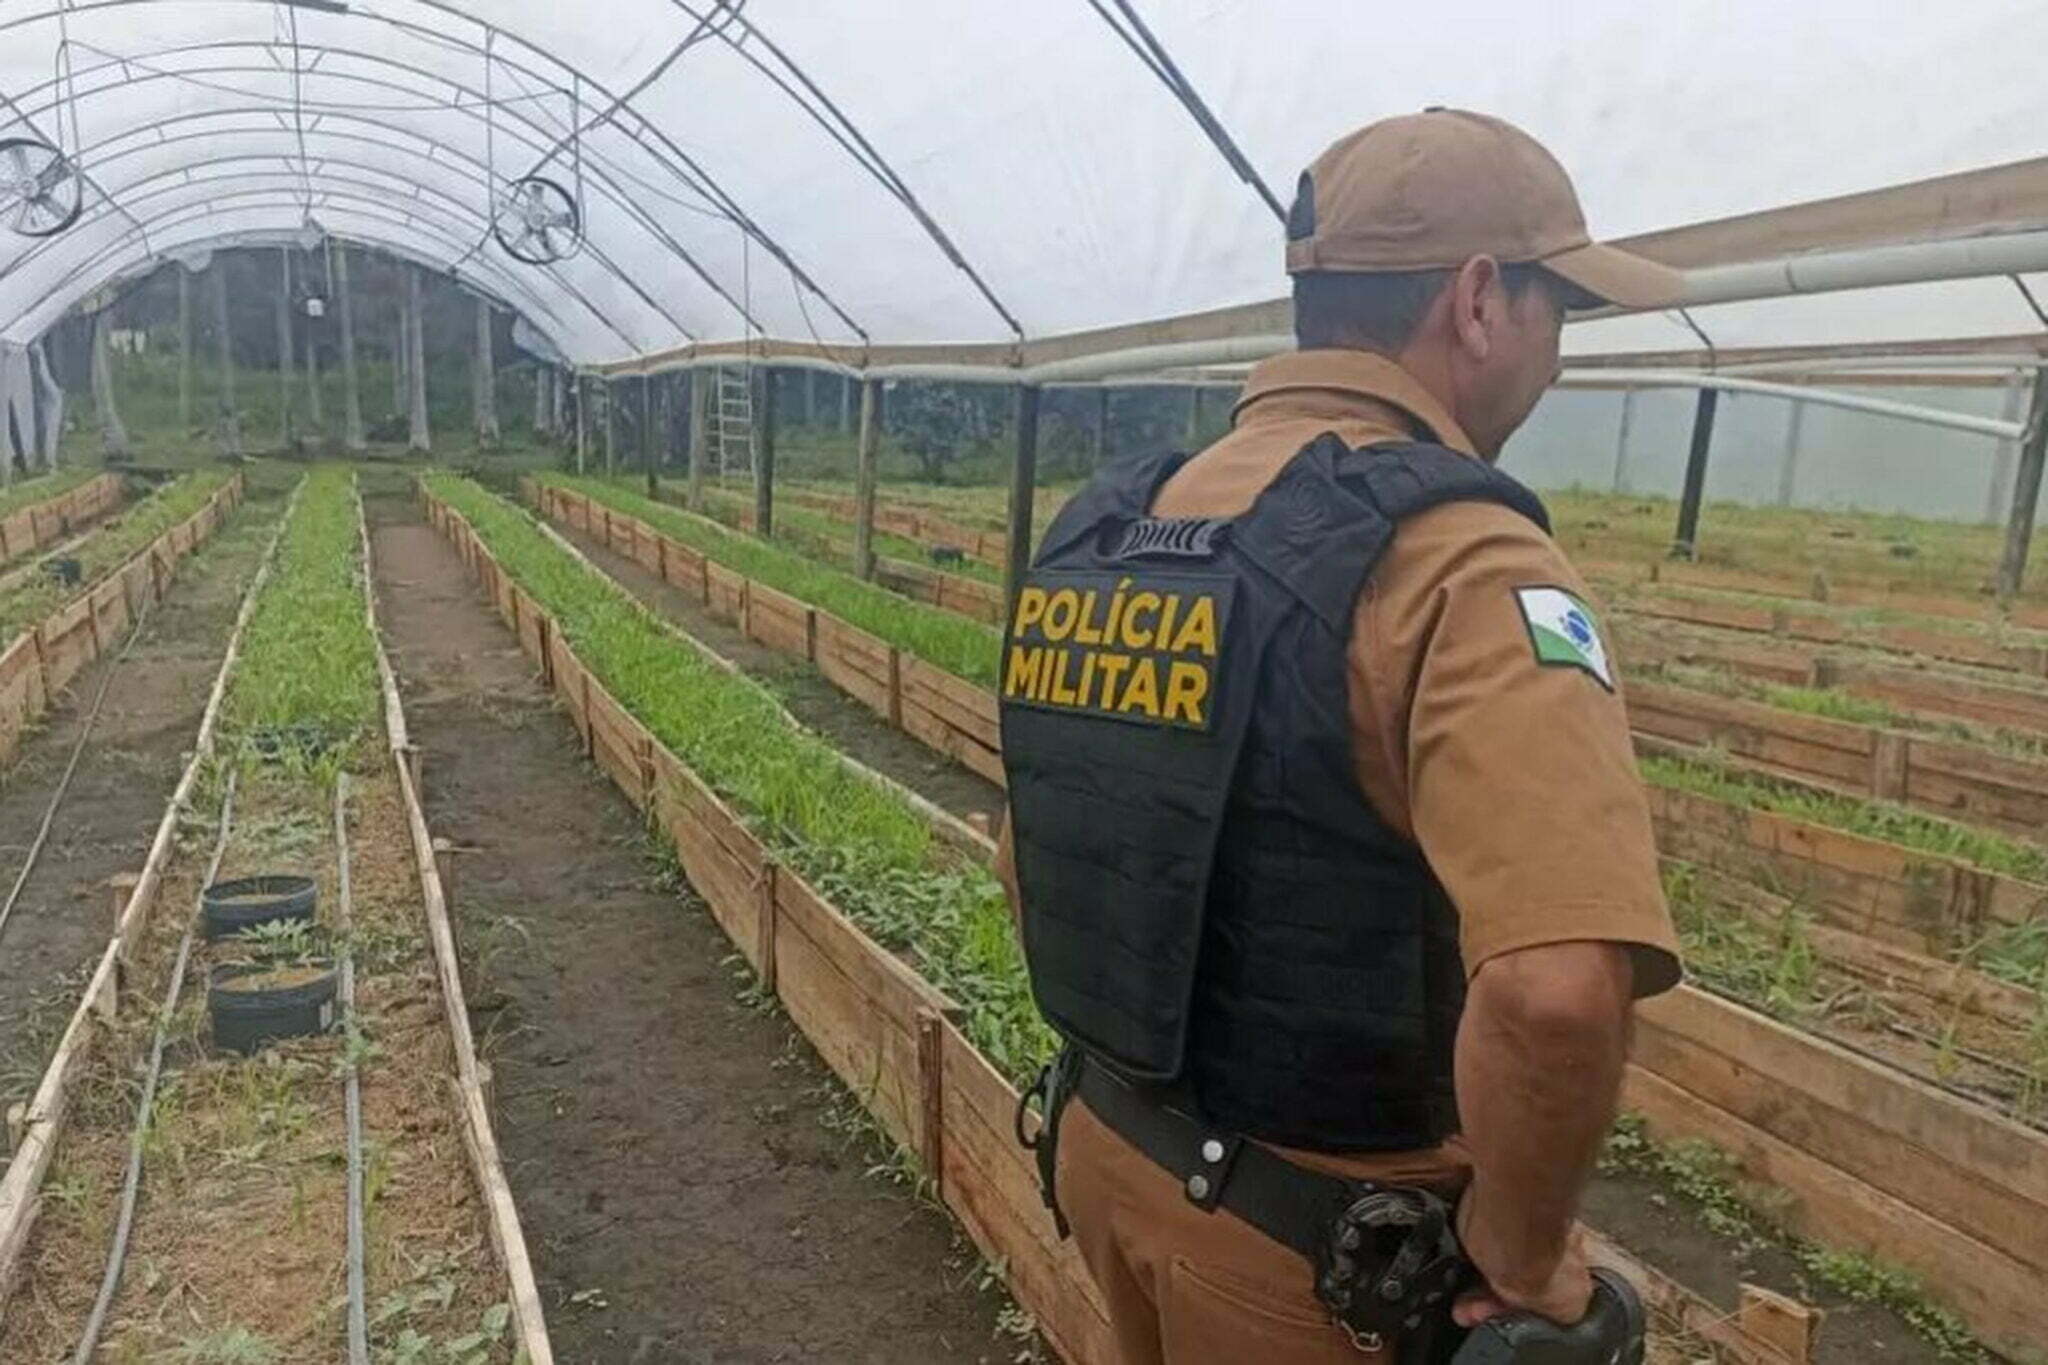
[352, 1091]
[131, 1185]
[35, 849]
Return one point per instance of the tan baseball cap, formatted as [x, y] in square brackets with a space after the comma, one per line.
[1429, 191]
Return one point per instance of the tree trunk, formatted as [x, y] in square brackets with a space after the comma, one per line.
[113, 435]
[284, 347]
[418, 437]
[483, 378]
[351, 395]
[230, 421]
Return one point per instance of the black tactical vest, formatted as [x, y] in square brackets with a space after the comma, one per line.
[1209, 903]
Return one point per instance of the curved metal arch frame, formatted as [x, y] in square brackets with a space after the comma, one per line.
[604, 175]
[457, 159]
[369, 193]
[264, 238]
[349, 202]
[642, 128]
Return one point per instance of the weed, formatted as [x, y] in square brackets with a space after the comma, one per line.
[227, 1346]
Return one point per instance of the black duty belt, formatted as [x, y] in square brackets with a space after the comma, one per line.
[1289, 1203]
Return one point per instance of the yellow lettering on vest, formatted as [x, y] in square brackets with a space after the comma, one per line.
[1164, 638]
[1030, 606]
[1087, 675]
[1045, 673]
[1199, 630]
[1135, 637]
[1027, 664]
[1062, 695]
[1112, 667]
[1060, 611]
[1186, 685]
[1083, 635]
[1143, 692]
[1116, 612]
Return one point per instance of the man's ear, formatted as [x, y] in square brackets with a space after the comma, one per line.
[1475, 297]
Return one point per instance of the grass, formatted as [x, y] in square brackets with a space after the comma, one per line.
[820, 533]
[864, 848]
[118, 539]
[1852, 815]
[43, 487]
[305, 683]
[942, 638]
[1707, 1179]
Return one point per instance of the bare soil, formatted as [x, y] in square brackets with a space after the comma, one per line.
[130, 765]
[851, 727]
[680, 1156]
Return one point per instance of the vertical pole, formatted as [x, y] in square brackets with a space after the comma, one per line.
[419, 437]
[113, 433]
[2026, 494]
[1100, 443]
[700, 433]
[483, 377]
[1194, 416]
[184, 349]
[764, 452]
[609, 389]
[582, 422]
[2001, 458]
[846, 401]
[647, 435]
[401, 352]
[1788, 470]
[540, 401]
[351, 393]
[316, 413]
[1685, 544]
[810, 398]
[1023, 483]
[1628, 420]
[864, 481]
[284, 346]
[230, 420]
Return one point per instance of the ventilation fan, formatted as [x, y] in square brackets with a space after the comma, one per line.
[40, 192]
[538, 223]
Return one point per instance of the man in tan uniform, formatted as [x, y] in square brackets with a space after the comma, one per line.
[1434, 257]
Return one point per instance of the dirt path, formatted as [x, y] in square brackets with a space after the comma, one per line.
[673, 1149]
[851, 727]
[127, 771]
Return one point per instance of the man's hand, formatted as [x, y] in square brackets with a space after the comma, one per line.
[1539, 1064]
[1562, 1296]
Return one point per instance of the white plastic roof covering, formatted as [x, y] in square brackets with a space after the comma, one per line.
[986, 171]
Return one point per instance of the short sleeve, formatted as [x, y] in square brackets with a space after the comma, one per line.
[1487, 676]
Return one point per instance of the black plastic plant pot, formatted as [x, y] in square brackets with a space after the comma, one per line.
[264, 1003]
[248, 902]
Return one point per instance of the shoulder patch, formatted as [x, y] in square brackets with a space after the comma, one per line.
[1564, 632]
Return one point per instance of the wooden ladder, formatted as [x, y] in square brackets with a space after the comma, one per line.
[732, 420]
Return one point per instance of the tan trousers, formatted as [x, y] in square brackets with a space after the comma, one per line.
[1186, 1287]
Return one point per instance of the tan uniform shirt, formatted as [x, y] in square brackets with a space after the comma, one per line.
[1516, 778]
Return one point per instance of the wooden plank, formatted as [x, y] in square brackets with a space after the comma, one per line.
[1910, 1113]
[882, 976]
[683, 566]
[779, 621]
[1997, 1295]
[725, 592]
[66, 644]
[855, 662]
[613, 746]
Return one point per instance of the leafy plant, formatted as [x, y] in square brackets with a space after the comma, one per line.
[863, 847]
[943, 638]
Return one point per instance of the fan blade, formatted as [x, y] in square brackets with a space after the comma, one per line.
[548, 247]
[25, 217]
[19, 154]
[563, 218]
[53, 175]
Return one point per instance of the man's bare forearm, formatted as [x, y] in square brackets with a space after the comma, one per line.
[1539, 1065]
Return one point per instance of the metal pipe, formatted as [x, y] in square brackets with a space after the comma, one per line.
[1882, 407]
[1685, 543]
[1023, 484]
[2026, 496]
[1821, 272]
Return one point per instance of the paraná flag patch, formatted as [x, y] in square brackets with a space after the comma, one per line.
[1564, 632]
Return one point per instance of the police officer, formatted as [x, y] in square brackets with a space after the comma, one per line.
[1330, 855]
